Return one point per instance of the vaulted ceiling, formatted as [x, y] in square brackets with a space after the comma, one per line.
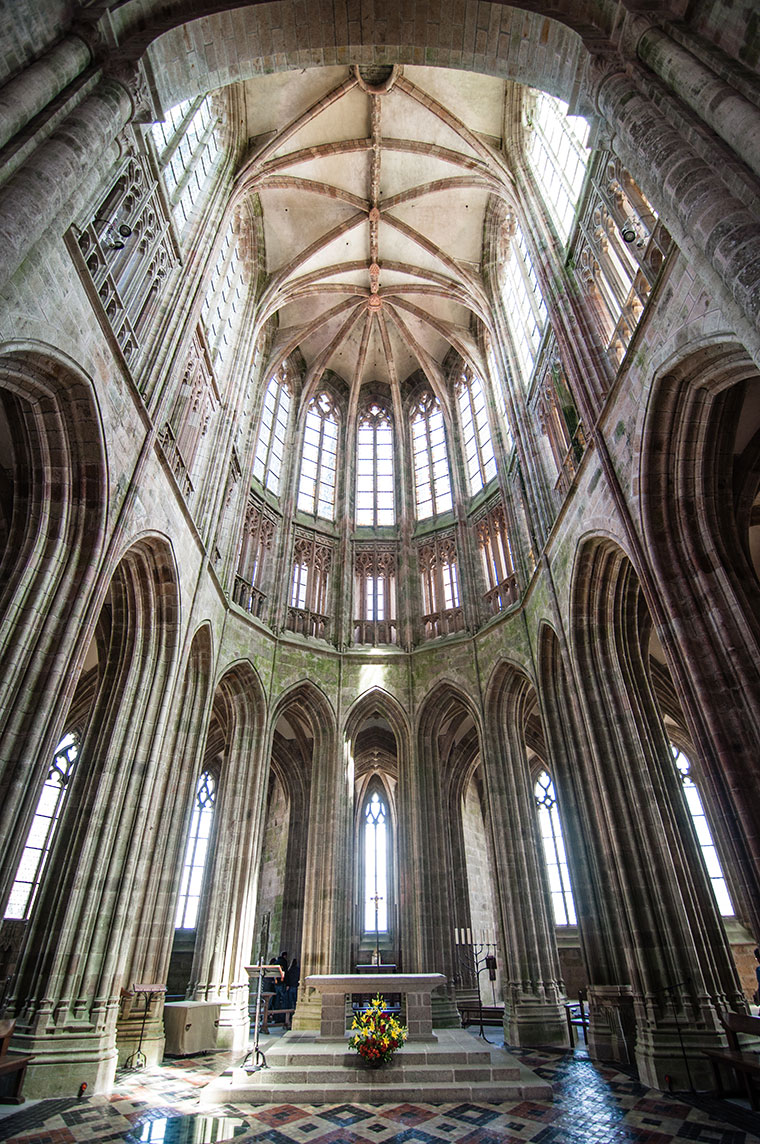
[374, 185]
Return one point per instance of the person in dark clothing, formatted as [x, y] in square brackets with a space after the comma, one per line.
[292, 977]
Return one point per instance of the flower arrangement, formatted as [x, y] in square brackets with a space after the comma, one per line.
[378, 1034]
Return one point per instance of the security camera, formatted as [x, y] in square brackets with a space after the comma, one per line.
[125, 230]
[630, 230]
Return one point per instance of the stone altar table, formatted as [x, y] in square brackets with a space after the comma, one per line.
[416, 986]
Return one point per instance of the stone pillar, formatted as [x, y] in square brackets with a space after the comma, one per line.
[32, 90]
[533, 992]
[327, 898]
[612, 1025]
[54, 172]
[225, 934]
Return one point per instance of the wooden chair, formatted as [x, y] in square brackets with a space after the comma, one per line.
[743, 1059]
[12, 1067]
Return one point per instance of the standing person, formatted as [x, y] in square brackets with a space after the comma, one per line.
[756, 998]
[292, 977]
[280, 1000]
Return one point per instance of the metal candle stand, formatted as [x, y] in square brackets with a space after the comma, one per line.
[137, 1059]
[483, 957]
[255, 1051]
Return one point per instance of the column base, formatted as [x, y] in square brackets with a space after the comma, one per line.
[445, 1012]
[673, 1061]
[64, 1063]
[612, 1024]
[308, 1015]
[532, 1023]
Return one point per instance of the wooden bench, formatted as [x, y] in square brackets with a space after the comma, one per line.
[744, 1060]
[471, 1014]
[12, 1067]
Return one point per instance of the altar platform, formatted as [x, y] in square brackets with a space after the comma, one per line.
[302, 1068]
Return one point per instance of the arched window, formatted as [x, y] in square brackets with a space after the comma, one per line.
[375, 865]
[188, 143]
[703, 833]
[558, 154]
[554, 851]
[196, 853]
[375, 595]
[476, 431]
[273, 428]
[374, 468]
[225, 297]
[319, 459]
[39, 841]
[432, 482]
[498, 561]
[523, 303]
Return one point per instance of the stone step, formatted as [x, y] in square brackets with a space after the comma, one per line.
[301, 1069]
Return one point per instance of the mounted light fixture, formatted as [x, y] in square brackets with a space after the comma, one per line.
[114, 235]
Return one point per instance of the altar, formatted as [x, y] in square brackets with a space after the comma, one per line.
[417, 988]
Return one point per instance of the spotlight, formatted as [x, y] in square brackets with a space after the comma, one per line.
[629, 230]
[114, 235]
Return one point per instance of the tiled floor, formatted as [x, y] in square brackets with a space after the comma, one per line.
[591, 1105]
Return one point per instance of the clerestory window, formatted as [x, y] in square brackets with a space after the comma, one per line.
[225, 297]
[196, 853]
[39, 840]
[273, 429]
[704, 834]
[555, 858]
[375, 865]
[523, 302]
[188, 144]
[374, 468]
[319, 459]
[558, 153]
[432, 480]
[476, 432]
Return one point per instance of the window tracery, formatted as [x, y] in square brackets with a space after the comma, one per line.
[521, 295]
[39, 840]
[477, 444]
[375, 595]
[374, 468]
[432, 480]
[194, 406]
[439, 575]
[129, 255]
[496, 555]
[558, 416]
[319, 459]
[555, 858]
[308, 611]
[557, 152]
[259, 530]
[196, 852]
[273, 429]
[189, 148]
[223, 303]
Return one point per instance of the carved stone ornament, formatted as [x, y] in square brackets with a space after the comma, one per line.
[131, 76]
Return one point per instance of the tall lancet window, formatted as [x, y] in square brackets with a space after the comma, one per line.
[316, 488]
[432, 481]
[374, 468]
[476, 431]
[196, 853]
[39, 840]
[704, 834]
[188, 143]
[375, 866]
[558, 154]
[225, 297]
[523, 303]
[273, 429]
[554, 851]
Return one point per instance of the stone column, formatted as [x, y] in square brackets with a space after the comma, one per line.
[533, 992]
[225, 934]
[327, 898]
[54, 172]
[32, 90]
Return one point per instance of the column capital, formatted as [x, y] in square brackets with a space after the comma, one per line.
[130, 75]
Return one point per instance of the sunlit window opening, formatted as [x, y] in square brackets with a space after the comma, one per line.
[316, 488]
[554, 852]
[189, 150]
[558, 153]
[523, 303]
[196, 853]
[704, 834]
[432, 482]
[225, 296]
[44, 824]
[374, 469]
[270, 446]
[375, 866]
[476, 432]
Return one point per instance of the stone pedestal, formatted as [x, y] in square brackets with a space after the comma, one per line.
[611, 1023]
